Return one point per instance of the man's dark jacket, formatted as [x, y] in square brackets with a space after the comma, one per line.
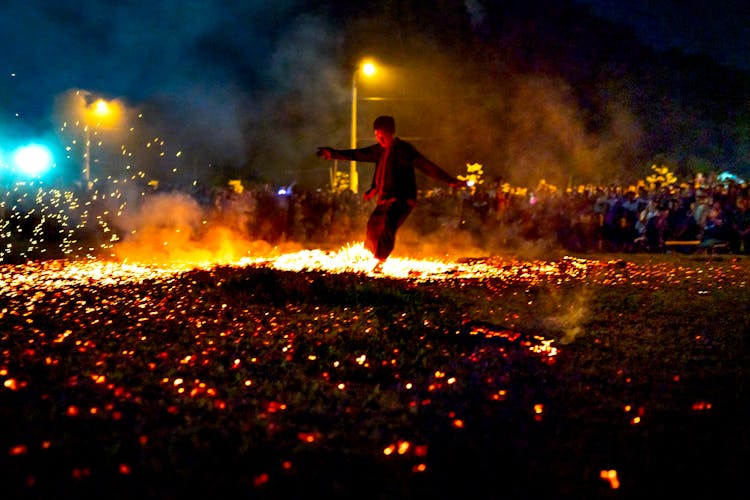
[399, 179]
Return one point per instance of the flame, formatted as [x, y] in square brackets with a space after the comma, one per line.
[18, 279]
[353, 257]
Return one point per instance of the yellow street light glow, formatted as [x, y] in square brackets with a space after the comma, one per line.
[101, 107]
[369, 69]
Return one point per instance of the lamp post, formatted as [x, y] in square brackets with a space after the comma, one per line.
[101, 109]
[368, 69]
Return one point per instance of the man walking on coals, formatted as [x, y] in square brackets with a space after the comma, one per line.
[394, 183]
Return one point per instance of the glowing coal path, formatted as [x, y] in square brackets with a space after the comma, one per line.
[354, 258]
[35, 279]
[59, 274]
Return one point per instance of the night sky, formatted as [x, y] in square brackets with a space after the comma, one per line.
[134, 49]
[717, 28]
[212, 66]
[208, 67]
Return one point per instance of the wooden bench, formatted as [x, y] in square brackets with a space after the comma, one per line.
[698, 246]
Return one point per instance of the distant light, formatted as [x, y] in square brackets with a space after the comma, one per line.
[101, 107]
[32, 160]
[368, 69]
[282, 192]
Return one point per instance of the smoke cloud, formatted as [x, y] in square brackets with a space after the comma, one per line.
[256, 86]
[568, 313]
[174, 228]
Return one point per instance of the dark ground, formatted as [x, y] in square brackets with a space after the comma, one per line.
[296, 384]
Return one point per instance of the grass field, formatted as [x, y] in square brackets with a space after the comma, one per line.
[619, 377]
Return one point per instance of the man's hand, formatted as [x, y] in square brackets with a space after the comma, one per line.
[325, 153]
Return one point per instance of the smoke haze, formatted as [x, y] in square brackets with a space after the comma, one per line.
[257, 86]
[173, 227]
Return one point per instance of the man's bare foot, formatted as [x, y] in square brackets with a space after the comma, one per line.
[378, 267]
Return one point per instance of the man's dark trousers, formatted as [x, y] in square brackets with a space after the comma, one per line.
[382, 225]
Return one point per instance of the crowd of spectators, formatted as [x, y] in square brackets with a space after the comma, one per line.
[588, 219]
[660, 219]
[610, 218]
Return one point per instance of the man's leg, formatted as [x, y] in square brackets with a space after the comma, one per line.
[375, 227]
[382, 226]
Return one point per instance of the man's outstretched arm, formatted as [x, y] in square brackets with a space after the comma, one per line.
[368, 154]
[424, 165]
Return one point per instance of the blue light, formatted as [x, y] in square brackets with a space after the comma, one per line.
[285, 190]
[32, 160]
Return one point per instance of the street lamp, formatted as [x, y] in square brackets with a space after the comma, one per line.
[367, 69]
[98, 109]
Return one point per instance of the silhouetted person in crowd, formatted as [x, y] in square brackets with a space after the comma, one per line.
[394, 183]
[740, 240]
